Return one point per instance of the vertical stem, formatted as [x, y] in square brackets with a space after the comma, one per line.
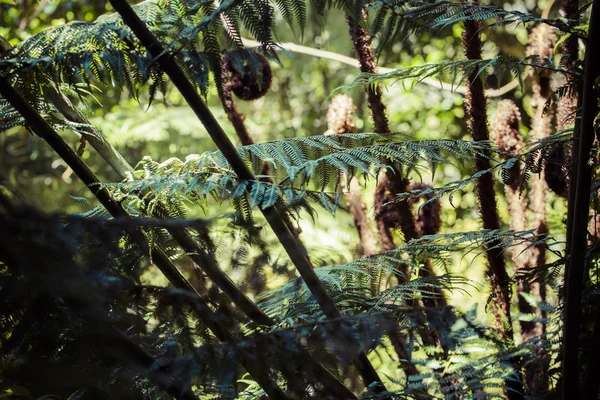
[476, 105]
[576, 265]
[570, 8]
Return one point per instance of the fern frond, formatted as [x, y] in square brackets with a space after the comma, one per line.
[107, 51]
[454, 71]
[394, 20]
[350, 284]
[303, 168]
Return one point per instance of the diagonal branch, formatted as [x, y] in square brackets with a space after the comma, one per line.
[293, 246]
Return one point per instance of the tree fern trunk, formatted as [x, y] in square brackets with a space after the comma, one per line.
[394, 181]
[476, 106]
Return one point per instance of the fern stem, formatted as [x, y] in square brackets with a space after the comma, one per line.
[339, 121]
[576, 265]
[292, 245]
[570, 8]
[210, 318]
[541, 43]
[394, 182]
[476, 105]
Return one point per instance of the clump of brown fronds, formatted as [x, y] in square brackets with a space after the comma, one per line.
[249, 82]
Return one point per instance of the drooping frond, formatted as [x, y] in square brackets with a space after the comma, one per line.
[394, 20]
[302, 168]
[106, 51]
[528, 163]
[350, 284]
[455, 71]
[451, 242]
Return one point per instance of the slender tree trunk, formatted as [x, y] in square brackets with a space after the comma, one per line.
[579, 209]
[476, 105]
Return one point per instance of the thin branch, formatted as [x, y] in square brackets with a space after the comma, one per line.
[435, 83]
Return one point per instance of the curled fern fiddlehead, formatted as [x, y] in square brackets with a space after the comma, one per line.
[250, 75]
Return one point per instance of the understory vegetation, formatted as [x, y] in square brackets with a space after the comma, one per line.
[293, 199]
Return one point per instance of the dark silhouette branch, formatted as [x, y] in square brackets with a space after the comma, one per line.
[293, 246]
[577, 262]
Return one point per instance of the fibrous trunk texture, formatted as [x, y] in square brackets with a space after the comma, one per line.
[505, 133]
[476, 107]
[392, 182]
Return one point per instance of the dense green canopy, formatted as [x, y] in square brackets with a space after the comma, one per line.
[298, 199]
